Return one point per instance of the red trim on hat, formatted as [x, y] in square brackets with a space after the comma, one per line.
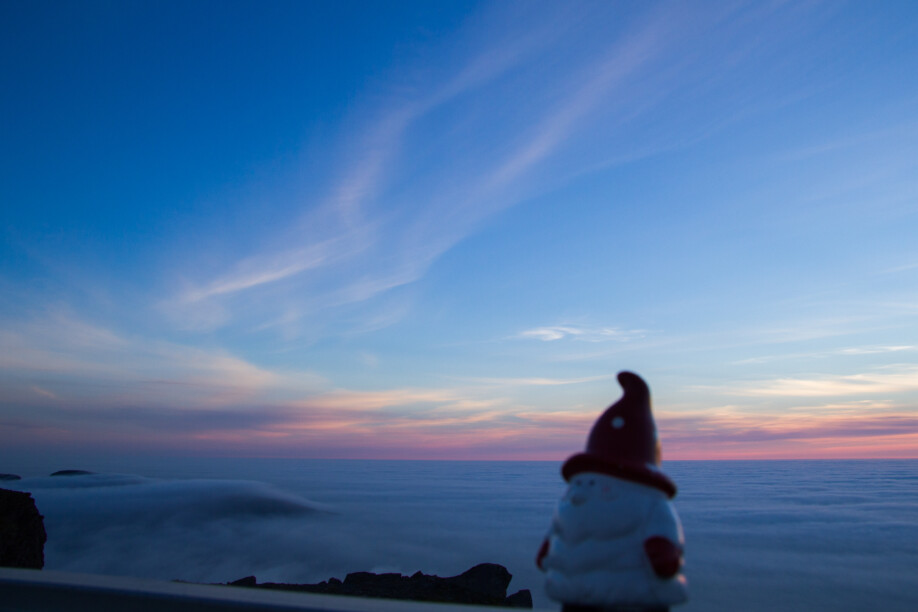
[635, 472]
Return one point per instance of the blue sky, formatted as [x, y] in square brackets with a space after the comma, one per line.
[438, 230]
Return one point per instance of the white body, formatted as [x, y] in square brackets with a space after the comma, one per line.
[596, 544]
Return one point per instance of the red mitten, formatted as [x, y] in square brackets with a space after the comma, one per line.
[543, 550]
[665, 556]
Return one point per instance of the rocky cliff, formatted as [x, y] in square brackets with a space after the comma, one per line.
[22, 531]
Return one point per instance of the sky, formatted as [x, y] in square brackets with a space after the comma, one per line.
[423, 230]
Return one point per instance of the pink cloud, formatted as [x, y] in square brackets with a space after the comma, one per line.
[744, 436]
[442, 424]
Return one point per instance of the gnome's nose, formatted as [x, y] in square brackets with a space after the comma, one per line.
[578, 499]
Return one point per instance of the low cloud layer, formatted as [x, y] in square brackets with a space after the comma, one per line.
[798, 536]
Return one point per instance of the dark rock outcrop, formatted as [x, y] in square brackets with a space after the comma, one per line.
[71, 473]
[248, 581]
[520, 599]
[484, 584]
[22, 531]
[10, 477]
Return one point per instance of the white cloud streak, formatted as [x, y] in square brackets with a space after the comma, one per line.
[539, 382]
[623, 60]
[891, 379]
[258, 271]
[58, 349]
[586, 334]
[875, 349]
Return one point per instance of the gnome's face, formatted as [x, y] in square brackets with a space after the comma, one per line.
[601, 506]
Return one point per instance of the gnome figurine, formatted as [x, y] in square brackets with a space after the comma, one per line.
[615, 541]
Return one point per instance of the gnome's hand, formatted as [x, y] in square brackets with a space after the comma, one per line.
[543, 550]
[665, 556]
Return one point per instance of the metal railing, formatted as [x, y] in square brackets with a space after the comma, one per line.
[23, 590]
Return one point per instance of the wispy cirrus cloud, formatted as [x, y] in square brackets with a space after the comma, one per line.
[889, 379]
[587, 334]
[539, 382]
[904, 131]
[260, 270]
[902, 268]
[350, 223]
[598, 80]
[43, 392]
[380, 230]
[877, 349]
[58, 356]
[873, 349]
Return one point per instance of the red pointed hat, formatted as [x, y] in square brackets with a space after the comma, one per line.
[623, 442]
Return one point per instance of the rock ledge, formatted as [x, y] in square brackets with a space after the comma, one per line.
[484, 584]
[22, 531]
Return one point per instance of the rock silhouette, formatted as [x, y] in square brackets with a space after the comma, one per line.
[484, 584]
[22, 531]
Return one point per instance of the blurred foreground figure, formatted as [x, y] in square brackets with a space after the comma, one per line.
[615, 541]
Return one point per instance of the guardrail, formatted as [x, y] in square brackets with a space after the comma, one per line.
[23, 590]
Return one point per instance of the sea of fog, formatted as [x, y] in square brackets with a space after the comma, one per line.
[760, 536]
